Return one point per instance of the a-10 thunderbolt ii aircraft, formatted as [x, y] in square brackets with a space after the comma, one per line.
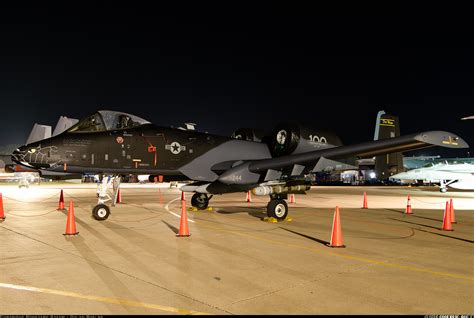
[113, 143]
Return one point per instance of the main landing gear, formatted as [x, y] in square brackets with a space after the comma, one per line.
[107, 191]
[277, 207]
[200, 201]
[444, 185]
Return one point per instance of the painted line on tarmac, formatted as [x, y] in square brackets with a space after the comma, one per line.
[116, 301]
[167, 207]
[414, 269]
[356, 258]
[360, 259]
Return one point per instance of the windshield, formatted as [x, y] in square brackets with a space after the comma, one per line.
[89, 124]
[107, 120]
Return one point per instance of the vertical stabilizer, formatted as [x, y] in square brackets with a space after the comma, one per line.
[387, 126]
[39, 132]
[63, 124]
[377, 124]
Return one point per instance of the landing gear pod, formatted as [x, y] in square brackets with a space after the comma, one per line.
[200, 201]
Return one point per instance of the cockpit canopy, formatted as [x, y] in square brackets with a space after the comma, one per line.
[107, 120]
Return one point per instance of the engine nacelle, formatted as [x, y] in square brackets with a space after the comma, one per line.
[292, 138]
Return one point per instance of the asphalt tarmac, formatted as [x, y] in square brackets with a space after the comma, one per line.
[233, 262]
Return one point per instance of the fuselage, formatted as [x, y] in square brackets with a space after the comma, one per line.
[109, 142]
[146, 149]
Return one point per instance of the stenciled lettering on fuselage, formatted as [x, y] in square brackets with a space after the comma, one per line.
[318, 139]
[175, 148]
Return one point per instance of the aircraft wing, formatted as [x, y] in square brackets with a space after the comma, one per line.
[251, 171]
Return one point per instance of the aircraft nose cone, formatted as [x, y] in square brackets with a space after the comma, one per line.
[26, 156]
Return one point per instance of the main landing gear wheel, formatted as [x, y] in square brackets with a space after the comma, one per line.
[200, 201]
[101, 212]
[278, 209]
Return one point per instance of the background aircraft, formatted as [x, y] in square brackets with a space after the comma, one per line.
[113, 143]
[427, 161]
[457, 176]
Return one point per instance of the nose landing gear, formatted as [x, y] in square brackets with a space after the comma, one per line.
[107, 191]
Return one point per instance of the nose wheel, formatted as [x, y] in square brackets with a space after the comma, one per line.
[101, 212]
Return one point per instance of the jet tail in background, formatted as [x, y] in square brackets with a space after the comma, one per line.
[39, 132]
[63, 124]
[387, 126]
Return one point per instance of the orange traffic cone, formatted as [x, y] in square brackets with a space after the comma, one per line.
[292, 198]
[249, 196]
[2, 212]
[61, 201]
[365, 201]
[71, 223]
[119, 197]
[336, 237]
[447, 219]
[408, 209]
[451, 210]
[183, 223]
[160, 197]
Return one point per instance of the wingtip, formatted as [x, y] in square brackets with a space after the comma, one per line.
[442, 139]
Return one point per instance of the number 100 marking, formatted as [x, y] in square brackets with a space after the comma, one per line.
[318, 139]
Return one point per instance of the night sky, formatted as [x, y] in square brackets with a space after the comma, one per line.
[241, 65]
